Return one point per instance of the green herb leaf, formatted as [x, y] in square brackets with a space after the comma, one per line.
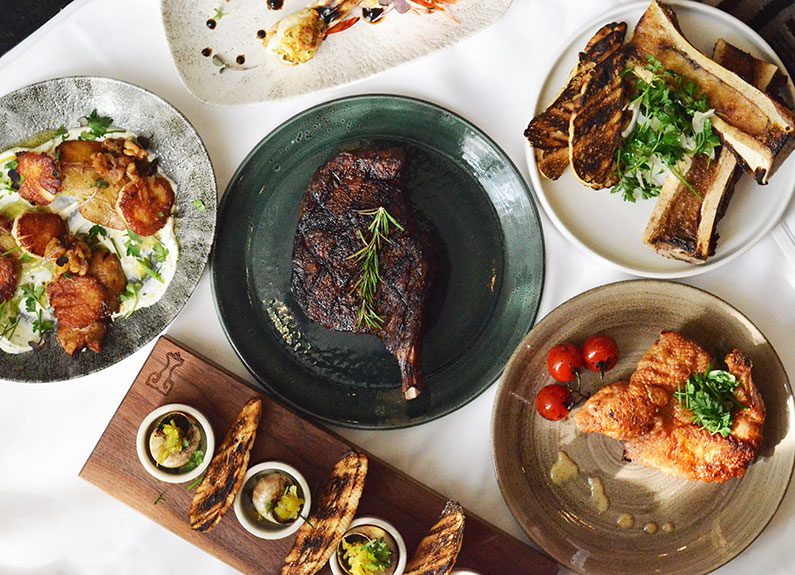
[710, 398]
[98, 124]
[101, 184]
[195, 483]
[41, 326]
[158, 500]
[12, 165]
[61, 132]
[161, 252]
[218, 14]
[130, 292]
[199, 205]
[195, 460]
[95, 231]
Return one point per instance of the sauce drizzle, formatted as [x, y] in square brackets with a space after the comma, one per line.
[564, 469]
[598, 497]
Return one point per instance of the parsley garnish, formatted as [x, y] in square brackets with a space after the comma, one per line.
[367, 285]
[195, 460]
[159, 499]
[195, 483]
[199, 205]
[97, 230]
[161, 252]
[666, 104]
[710, 398]
[12, 165]
[98, 126]
[32, 296]
[133, 245]
[218, 14]
[61, 132]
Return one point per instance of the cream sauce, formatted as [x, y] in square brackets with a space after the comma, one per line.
[598, 497]
[564, 469]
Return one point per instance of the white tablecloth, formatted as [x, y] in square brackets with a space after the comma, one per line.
[53, 522]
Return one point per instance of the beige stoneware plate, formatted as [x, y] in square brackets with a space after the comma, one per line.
[352, 55]
[599, 222]
[713, 523]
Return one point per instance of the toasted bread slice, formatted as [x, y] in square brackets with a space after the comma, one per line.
[34, 230]
[39, 176]
[318, 538]
[552, 163]
[225, 474]
[596, 124]
[438, 550]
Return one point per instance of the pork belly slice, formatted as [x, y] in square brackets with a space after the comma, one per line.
[757, 128]
[548, 132]
[683, 226]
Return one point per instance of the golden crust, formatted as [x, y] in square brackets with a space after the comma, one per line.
[8, 278]
[437, 552]
[40, 178]
[33, 231]
[318, 538]
[146, 204]
[74, 341]
[658, 430]
[106, 267]
[78, 301]
[227, 469]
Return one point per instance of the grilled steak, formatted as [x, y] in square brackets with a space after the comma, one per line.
[750, 122]
[330, 231]
[318, 538]
[683, 225]
[548, 132]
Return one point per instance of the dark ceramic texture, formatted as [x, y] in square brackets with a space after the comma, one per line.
[47, 105]
[484, 227]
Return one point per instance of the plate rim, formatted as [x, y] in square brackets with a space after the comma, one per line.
[513, 507]
[537, 184]
[525, 185]
[213, 209]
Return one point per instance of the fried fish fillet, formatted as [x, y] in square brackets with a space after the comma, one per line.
[227, 469]
[318, 538]
[548, 132]
[438, 550]
[658, 430]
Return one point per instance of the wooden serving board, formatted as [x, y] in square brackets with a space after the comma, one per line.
[174, 374]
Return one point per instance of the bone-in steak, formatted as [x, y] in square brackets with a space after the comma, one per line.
[325, 275]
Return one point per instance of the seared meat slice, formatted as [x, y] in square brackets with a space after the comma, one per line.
[548, 132]
[40, 178]
[106, 267]
[659, 432]
[683, 225]
[33, 231]
[325, 274]
[74, 340]
[750, 122]
[146, 204]
[8, 278]
[318, 538]
[437, 552]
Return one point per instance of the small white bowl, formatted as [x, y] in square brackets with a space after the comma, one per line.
[142, 444]
[275, 532]
[386, 526]
[463, 572]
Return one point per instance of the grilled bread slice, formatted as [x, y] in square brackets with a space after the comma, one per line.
[596, 125]
[226, 471]
[548, 132]
[438, 550]
[318, 538]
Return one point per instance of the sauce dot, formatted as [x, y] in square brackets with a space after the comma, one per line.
[211, 24]
[626, 521]
[261, 34]
[206, 52]
[275, 4]
[668, 527]
[650, 528]
[241, 59]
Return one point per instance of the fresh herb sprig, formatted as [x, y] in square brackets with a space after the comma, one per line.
[98, 126]
[367, 284]
[371, 557]
[710, 398]
[32, 296]
[133, 245]
[667, 104]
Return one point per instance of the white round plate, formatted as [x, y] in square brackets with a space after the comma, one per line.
[601, 223]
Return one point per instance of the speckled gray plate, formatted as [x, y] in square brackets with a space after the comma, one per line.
[713, 523]
[62, 101]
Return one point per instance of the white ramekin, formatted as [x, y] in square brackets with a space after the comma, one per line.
[275, 532]
[386, 526]
[142, 444]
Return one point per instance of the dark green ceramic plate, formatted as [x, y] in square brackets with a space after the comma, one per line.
[467, 194]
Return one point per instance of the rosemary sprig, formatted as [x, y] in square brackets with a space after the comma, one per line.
[367, 284]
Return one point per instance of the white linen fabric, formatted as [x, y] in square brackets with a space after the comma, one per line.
[51, 522]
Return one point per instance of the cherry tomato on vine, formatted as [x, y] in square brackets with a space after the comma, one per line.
[564, 362]
[600, 353]
[553, 402]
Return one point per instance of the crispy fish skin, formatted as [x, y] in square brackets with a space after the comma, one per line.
[596, 124]
[226, 471]
[437, 552]
[318, 538]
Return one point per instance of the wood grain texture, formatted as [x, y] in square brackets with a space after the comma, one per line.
[174, 374]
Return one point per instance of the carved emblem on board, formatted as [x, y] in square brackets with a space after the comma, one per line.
[157, 381]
